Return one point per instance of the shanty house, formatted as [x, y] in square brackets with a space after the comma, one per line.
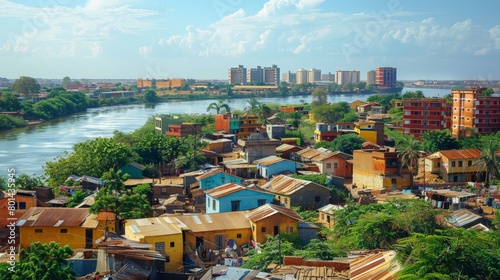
[232, 197]
[133, 169]
[165, 236]
[273, 165]
[271, 219]
[75, 227]
[291, 192]
[216, 178]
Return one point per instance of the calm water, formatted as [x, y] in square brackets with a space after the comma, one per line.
[27, 149]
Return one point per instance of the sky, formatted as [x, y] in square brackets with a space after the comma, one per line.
[202, 39]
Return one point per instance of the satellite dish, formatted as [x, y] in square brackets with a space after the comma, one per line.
[231, 243]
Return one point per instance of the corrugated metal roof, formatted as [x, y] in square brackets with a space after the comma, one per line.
[197, 222]
[285, 185]
[285, 147]
[50, 216]
[136, 165]
[270, 160]
[376, 266]
[208, 174]
[330, 208]
[268, 210]
[224, 190]
[461, 154]
[462, 218]
[452, 194]
[154, 226]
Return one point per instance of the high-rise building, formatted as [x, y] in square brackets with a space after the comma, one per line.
[328, 77]
[301, 76]
[425, 114]
[386, 77]
[474, 112]
[313, 75]
[289, 77]
[255, 75]
[237, 76]
[272, 75]
[371, 77]
[345, 77]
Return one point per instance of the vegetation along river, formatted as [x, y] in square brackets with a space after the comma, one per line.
[27, 149]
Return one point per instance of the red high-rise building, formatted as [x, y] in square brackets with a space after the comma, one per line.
[385, 77]
[426, 114]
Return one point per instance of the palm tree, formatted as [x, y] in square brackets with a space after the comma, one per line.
[263, 112]
[408, 151]
[489, 160]
[218, 106]
[253, 106]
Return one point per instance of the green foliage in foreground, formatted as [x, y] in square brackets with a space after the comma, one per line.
[41, 262]
[8, 122]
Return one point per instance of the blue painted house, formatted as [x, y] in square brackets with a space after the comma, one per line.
[273, 165]
[133, 169]
[216, 178]
[233, 197]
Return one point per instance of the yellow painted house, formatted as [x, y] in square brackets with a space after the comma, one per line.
[75, 227]
[271, 219]
[371, 131]
[214, 230]
[165, 236]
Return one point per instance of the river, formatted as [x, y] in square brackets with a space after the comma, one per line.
[27, 149]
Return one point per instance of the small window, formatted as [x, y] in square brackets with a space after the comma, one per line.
[335, 165]
[452, 164]
[22, 205]
[38, 230]
[460, 163]
[261, 202]
[214, 205]
[63, 230]
[238, 235]
[163, 190]
[328, 165]
[469, 163]
[172, 244]
[263, 229]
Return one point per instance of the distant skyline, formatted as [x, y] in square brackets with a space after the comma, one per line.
[199, 39]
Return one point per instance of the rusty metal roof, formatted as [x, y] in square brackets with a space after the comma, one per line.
[224, 190]
[268, 210]
[461, 154]
[285, 147]
[330, 208]
[53, 217]
[198, 222]
[377, 266]
[462, 218]
[270, 160]
[286, 185]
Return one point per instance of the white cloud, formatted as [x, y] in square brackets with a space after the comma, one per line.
[95, 49]
[144, 50]
[495, 36]
[51, 26]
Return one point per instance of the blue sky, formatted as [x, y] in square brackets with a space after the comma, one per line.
[201, 39]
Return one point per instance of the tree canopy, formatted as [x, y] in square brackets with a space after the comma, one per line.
[26, 86]
[436, 140]
[41, 262]
[219, 107]
[319, 97]
[331, 113]
[347, 143]
[408, 151]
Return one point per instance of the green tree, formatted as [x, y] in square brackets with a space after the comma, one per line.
[452, 253]
[26, 86]
[347, 143]
[116, 198]
[9, 102]
[218, 107]
[150, 96]
[408, 151]
[489, 160]
[263, 112]
[272, 251]
[487, 92]
[252, 106]
[65, 81]
[154, 148]
[77, 198]
[437, 140]
[27, 182]
[41, 262]
[413, 94]
[319, 97]
[92, 157]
